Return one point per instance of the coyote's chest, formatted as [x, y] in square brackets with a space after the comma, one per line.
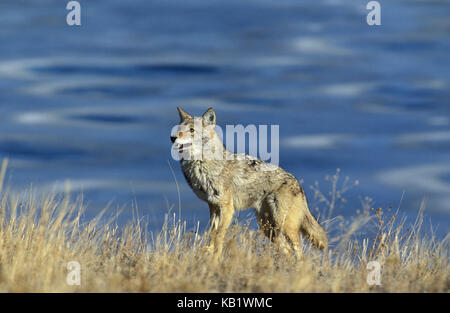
[201, 180]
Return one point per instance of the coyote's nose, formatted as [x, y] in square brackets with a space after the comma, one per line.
[173, 138]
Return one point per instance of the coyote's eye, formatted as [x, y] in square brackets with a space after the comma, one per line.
[192, 130]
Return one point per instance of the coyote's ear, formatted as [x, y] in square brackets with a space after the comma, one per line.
[209, 117]
[183, 115]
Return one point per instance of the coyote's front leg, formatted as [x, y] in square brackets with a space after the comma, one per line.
[214, 218]
[220, 220]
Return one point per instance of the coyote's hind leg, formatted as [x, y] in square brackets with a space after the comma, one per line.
[279, 211]
[271, 229]
[266, 222]
[292, 236]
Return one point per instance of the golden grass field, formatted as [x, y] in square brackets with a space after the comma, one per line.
[39, 236]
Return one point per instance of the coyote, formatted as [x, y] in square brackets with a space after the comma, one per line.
[229, 182]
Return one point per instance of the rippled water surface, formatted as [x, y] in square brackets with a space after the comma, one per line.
[94, 105]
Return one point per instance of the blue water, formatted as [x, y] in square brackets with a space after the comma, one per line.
[94, 104]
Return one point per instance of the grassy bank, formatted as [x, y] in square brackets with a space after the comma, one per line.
[40, 236]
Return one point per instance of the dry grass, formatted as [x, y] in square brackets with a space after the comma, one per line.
[38, 237]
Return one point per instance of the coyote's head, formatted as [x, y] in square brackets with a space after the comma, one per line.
[195, 138]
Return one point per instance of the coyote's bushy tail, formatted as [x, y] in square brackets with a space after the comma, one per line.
[311, 229]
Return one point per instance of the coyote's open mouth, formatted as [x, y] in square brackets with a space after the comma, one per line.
[180, 147]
